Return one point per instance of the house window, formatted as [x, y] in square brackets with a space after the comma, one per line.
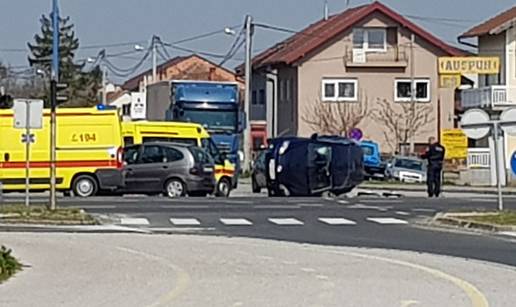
[370, 39]
[254, 100]
[288, 85]
[261, 97]
[339, 90]
[403, 90]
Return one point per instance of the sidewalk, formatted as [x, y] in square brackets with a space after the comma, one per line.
[445, 188]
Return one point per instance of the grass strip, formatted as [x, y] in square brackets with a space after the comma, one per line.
[505, 218]
[42, 215]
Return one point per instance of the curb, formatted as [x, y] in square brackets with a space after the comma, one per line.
[455, 189]
[111, 228]
[454, 219]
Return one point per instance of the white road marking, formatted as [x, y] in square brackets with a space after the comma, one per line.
[507, 233]
[323, 277]
[134, 221]
[484, 200]
[341, 201]
[366, 207]
[336, 221]
[285, 221]
[402, 213]
[386, 220]
[276, 207]
[185, 222]
[235, 222]
[311, 205]
[423, 210]
[381, 201]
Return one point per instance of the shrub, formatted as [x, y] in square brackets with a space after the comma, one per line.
[8, 264]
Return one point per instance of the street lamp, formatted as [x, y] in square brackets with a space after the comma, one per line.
[139, 47]
[229, 31]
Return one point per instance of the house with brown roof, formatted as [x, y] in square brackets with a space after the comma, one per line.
[493, 93]
[367, 68]
[192, 67]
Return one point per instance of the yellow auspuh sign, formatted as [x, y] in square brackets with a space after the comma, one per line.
[455, 142]
[449, 80]
[469, 65]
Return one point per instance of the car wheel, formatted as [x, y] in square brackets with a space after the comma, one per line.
[84, 186]
[175, 188]
[255, 187]
[223, 188]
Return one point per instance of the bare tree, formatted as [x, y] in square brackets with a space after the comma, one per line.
[402, 121]
[336, 118]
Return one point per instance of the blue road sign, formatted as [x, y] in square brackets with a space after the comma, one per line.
[513, 162]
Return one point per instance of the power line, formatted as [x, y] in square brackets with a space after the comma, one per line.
[237, 44]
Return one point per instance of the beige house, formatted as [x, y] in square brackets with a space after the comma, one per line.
[356, 69]
[493, 93]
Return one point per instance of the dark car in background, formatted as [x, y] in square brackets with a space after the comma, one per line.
[172, 169]
[311, 166]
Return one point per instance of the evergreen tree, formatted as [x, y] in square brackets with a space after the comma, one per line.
[82, 86]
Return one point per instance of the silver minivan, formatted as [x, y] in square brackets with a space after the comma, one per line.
[172, 169]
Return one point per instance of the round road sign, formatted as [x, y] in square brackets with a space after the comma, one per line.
[513, 162]
[509, 116]
[475, 116]
[355, 134]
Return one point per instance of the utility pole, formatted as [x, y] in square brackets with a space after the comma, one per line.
[248, 89]
[104, 84]
[154, 51]
[412, 93]
[53, 102]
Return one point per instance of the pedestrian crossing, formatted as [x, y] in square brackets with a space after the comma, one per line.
[273, 221]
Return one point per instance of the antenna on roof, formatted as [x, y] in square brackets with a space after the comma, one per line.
[326, 10]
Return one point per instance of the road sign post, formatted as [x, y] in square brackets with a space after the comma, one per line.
[477, 124]
[28, 114]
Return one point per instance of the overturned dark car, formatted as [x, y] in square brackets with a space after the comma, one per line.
[313, 166]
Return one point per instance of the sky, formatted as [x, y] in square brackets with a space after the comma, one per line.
[103, 22]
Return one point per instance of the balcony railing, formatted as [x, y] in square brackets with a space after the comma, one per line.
[479, 158]
[393, 56]
[491, 97]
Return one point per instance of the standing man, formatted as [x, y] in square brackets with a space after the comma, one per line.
[435, 156]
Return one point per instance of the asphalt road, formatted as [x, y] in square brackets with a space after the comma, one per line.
[392, 223]
[160, 270]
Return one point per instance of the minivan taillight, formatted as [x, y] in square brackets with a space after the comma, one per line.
[120, 157]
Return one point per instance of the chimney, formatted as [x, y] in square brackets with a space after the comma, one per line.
[326, 10]
[211, 75]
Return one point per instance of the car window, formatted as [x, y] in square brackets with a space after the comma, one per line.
[409, 164]
[172, 154]
[131, 154]
[209, 146]
[152, 154]
[200, 156]
[185, 141]
[368, 150]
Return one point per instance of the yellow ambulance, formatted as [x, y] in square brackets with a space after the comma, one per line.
[138, 132]
[88, 156]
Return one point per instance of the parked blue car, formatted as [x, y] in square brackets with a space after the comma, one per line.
[373, 164]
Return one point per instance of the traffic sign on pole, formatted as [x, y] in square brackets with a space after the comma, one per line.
[508, 121]
[475, 124]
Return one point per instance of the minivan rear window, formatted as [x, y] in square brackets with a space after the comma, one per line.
[200, 156]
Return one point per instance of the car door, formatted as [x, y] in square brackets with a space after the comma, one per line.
[149, 171]
[319, 171]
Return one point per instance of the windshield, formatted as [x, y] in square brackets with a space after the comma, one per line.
[368, 150]
[409, 164]
[212, 120]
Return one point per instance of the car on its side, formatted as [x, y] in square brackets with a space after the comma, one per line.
[406, 169]
[172, 169]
